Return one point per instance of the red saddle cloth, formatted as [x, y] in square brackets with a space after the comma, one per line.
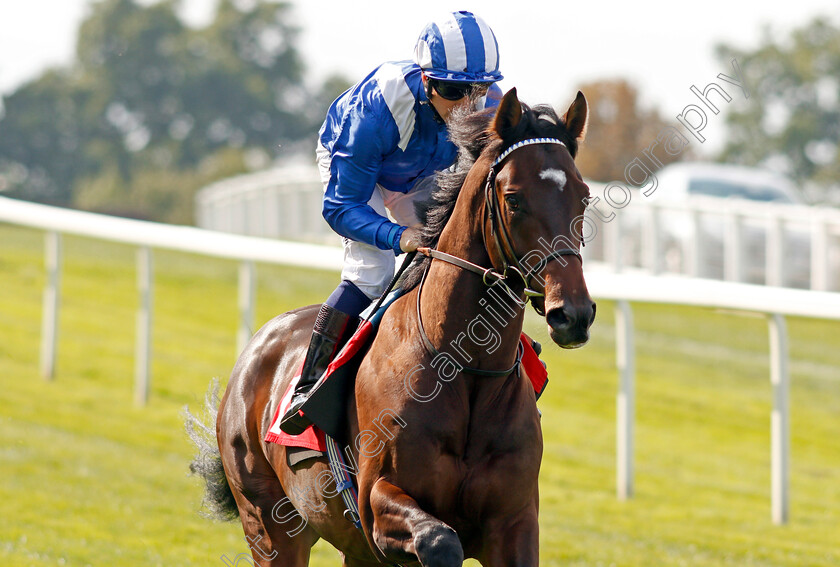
[533, 366]
[313, 438]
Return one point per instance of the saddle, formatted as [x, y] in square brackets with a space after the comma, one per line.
[326, 405]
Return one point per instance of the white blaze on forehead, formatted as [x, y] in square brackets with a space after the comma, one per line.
[556, 175]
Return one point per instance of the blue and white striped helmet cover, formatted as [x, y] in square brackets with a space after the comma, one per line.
[459, 47]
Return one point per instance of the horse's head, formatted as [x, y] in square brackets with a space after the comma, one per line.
[536, 200]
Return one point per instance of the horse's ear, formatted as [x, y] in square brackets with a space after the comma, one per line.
[577, 117]
[508, 115]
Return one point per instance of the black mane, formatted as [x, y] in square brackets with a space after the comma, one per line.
[471, 133]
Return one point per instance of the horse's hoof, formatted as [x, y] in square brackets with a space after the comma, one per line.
[438, 546]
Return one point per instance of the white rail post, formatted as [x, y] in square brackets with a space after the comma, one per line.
[779, 419]
[143, 351]
[241, 207]
[295, 204]
[655, 242]
[626, 400]
[734, 248]
[273, 208]
[51, 304]
[819, 254]
[774, 274]
[617, 244]
[229, 207]
[695, 253]
[247, 295]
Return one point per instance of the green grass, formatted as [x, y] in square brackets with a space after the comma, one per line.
[88, 478]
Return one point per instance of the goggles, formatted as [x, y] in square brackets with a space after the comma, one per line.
[456, 90]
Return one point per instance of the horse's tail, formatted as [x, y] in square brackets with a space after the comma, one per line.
[207, 463]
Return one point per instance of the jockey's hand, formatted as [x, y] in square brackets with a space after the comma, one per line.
[410, 239]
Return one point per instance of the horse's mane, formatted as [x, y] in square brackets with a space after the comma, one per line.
[471, 132]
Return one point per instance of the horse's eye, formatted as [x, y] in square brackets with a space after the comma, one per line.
[512, 202]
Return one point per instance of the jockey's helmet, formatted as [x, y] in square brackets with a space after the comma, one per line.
[459, 47]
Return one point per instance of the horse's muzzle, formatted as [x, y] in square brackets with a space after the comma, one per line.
[569, 325]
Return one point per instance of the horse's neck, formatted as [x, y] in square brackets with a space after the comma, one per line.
[477, 324]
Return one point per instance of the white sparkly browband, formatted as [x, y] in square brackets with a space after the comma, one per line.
[529, 142]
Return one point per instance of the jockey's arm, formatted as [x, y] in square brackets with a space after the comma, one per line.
[357, 156]
[368, 133]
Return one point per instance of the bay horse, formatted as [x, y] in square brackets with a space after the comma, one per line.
[447, 450]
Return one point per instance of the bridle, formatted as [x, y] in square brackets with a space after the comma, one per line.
[499, 230]
[511, 263]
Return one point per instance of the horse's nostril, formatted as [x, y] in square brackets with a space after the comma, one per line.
[594, 308]
[557, 318]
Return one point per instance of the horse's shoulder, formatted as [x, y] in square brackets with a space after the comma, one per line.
[400, 312]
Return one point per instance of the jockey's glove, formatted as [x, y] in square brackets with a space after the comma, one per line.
[410, 239]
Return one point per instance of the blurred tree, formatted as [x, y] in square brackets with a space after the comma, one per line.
[151, 101]
[42, 136]
[333, 86]
[619, 131]
[243, 83]
[792, 123]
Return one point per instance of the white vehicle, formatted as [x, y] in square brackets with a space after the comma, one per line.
[681, 181]
[713, 220]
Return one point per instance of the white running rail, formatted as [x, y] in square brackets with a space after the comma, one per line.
[729, 239]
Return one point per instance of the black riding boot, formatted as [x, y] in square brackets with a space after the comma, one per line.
[329, 328]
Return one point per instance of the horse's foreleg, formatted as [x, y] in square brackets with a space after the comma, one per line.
[512, 542]
[403, 531]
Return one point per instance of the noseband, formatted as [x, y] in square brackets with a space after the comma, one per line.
[511, 263]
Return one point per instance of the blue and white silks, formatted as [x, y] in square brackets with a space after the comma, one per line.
[381, 131]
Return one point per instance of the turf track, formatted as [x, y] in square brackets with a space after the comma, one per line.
[89, 479]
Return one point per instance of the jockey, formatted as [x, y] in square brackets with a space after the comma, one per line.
[379, 148]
